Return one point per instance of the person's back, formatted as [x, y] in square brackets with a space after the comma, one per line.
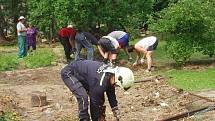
[67, 32]
[146, 42]
[86, 71]
[117, 34]
[91, 38]
[84, 78]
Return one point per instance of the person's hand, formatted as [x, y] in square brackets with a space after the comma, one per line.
[74, 50]
[135, 63]
[116, 113]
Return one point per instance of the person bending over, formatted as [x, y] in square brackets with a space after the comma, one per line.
[146, 46]
[108, 48]
[87, 78]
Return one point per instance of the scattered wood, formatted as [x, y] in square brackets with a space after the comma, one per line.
[189, 113]
[38, 99]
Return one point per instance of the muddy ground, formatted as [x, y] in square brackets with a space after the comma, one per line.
[146, 101]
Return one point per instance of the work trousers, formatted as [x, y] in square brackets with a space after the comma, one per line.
[67, 47]
[81, 41]
[78, 90]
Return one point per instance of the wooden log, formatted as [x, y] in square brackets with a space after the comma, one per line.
[189, 113]
[38, 99]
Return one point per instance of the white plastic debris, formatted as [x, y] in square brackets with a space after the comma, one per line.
[164, 104]
[157, 94]
[126, 93]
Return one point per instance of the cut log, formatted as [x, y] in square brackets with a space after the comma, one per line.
[38, 99]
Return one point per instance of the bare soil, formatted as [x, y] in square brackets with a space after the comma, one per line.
[146, 101]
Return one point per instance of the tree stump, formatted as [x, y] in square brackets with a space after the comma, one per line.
[38, 99]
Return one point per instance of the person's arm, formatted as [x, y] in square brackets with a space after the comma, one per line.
[127, 53]
[101, 51]
[137, 57]
[113, 102]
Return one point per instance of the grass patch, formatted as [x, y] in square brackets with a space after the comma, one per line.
[43, 57]
[8, 61]
[192, 80]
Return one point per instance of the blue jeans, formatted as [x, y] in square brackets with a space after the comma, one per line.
[81, 42]
[22, 46]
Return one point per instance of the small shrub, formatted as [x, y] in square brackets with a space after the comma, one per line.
[43, 57]
[179, 50]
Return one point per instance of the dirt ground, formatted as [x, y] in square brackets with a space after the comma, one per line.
[145, 101]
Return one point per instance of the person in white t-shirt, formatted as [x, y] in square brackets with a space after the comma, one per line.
[21, 32]
[146, 46]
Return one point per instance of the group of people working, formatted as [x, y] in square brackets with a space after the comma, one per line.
[26, 38]
[73, 40]
[88, 78]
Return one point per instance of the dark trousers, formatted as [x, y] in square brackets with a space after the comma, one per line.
[78, 90]
[67, 47]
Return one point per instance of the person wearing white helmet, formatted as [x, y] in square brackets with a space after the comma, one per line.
[87, 78]
[21, 32]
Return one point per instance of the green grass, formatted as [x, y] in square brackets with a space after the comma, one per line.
[192, 80]
[43, 57]
[8, 61]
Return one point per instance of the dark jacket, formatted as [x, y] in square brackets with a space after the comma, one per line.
[86, 71]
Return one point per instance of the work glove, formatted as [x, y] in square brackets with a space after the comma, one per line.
[116, 113]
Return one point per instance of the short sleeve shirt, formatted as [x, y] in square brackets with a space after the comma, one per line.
[117, 34]
[67, 33]
[113, 41]
[21, 26]
[146, 42]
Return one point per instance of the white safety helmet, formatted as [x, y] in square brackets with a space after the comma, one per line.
[124, 77]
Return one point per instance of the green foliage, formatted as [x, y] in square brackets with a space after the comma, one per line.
[89, 14]
[43, 57]
[180, 49]
[192, 80]
[8, 61]
[189, 24]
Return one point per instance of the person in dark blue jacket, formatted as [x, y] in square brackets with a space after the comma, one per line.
[87, 78]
